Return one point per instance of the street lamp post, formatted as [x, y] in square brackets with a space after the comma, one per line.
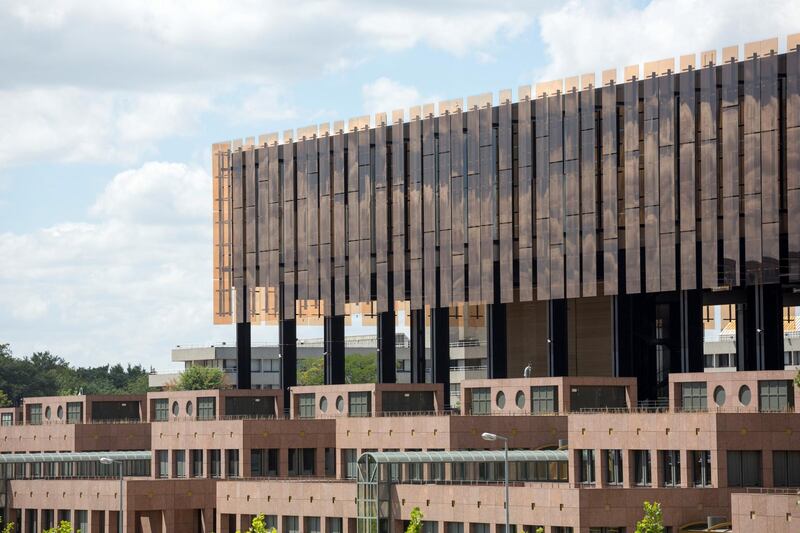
[493, 437]
[108, 461]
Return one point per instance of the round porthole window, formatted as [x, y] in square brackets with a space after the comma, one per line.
[500, 400]
[175, 409]
[47, 412]
[189, 408]
[520, 400]
[340, 404]
[719, 396]
[323, 404]
[744, 395]
[60, 412]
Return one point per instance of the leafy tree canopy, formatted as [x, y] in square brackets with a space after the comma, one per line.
[200, 378]
[653, 520]
[63, 527]
[415, 524]
[358, 368]
[45, 374]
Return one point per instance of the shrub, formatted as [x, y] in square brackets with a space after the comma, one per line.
[653, 521]
[415, 525]
[200, 378]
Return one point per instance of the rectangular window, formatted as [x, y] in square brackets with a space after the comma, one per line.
[197, 463]
[479, 528]
[701, 468]
[481, 403]
[694, 396]
[305, 405]
[232, 462]
[786, 468]
[311, 524]
[454, 527]
[593, 397]
[74, 412]
[162, 459]
[206, 408]
[744, 468]
[35, 414]
[291, 524]
[544, 399]
[586, 458]
[775, 395]
[349, 461]
[330, 462]
[160, 409]
[334, 524]
[302, 461]
[671, 459]
[179, 458]
[360, 403]
[264, 462]
[214, 463]
[641, 459]
[6, 419]
[614, 467]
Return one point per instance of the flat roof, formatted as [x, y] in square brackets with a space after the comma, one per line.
[73, 457]
[468, 456]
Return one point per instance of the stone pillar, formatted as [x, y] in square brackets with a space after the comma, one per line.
[686, 470]
[243, 355]
[208, 520]
[334, 350]
[656, 469]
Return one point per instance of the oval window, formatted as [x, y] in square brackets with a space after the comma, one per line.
[175, 409]
[500, 400]
[47, 412]
[189, 408]
[719, 396]
[60, 412]
[340, 404]
[323, 404]
[520, 400]
[744, 395]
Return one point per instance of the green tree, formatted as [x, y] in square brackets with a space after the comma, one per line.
[200, 378]
[9, 527]
[361, 368]
[5, 401]
[259, 525]
[653, 521]
[63, 527]
[415, 524]
[540, 529]
[311, 371]
[797, 379]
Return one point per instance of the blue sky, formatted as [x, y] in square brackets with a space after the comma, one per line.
[108, 111]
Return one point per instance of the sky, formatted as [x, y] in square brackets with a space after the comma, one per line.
[108, 111]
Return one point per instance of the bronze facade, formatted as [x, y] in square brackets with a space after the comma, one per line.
[675, 179]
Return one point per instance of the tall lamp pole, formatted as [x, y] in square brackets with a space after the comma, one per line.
[108, 461]
[493, 437]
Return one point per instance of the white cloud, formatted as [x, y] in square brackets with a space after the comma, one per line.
[596, 35]
[126, 286]
[386, 95]
[76, 125]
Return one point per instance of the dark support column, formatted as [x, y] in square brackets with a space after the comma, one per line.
[557, 329]
[418, 346]
[243, 355]
[440, 341]
[772, 315]
[387, 352]
[761, 331]
[496, 342]
[287, 335]
[634, 341]
[334, 350]
[691, 332]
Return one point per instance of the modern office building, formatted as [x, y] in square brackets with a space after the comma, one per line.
[629, 241]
